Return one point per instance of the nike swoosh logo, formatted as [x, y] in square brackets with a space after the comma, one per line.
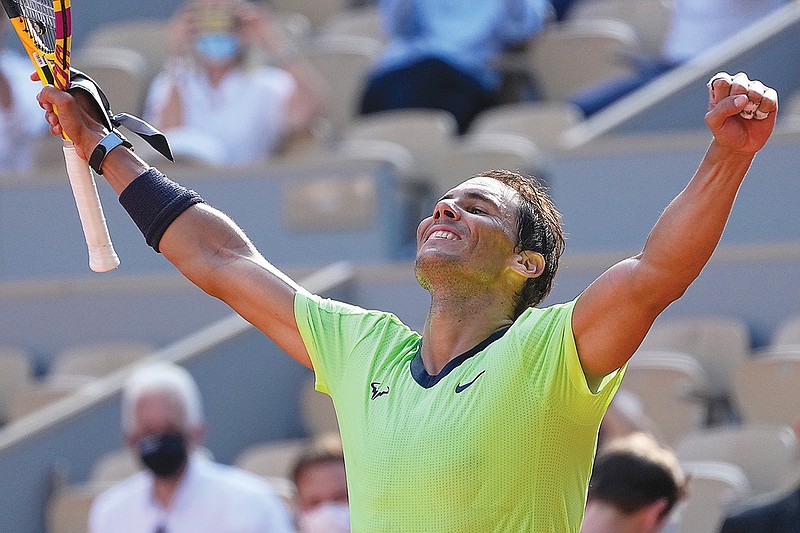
[460, 387]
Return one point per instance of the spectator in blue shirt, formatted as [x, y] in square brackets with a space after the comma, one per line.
[440, 53]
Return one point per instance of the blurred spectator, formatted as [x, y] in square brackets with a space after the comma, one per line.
[213, 103]
[321, 500]
[635, 484]
[695, 27]
[181, 490]
[21, 118]
[440, 53]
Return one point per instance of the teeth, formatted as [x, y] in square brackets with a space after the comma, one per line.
[440, 234]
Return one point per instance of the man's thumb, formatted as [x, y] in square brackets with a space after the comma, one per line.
[727, 107]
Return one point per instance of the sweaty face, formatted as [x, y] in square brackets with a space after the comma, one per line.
[470, 236]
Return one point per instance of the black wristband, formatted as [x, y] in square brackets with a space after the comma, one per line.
[154, 201]
[109, 142]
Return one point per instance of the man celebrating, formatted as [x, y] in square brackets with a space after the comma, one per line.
[487, 420]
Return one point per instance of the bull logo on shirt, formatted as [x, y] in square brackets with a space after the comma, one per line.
[377, 391]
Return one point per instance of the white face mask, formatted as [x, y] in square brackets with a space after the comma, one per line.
[331, 517]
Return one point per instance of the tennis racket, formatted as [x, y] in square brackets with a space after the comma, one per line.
[45, 29]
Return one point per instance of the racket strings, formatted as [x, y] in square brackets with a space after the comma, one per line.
[40, 20]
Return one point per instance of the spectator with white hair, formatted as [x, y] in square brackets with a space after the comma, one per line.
[181, 490]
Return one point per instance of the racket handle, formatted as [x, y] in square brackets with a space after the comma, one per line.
[102, 256]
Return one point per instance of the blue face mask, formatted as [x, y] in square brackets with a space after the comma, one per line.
[217, 47]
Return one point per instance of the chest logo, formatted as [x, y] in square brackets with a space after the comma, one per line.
[377, 391]
[460, 387]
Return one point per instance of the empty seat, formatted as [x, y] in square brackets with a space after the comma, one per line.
[147, 37]
[718, 343]
[317, 11]
[423, 132]
[762, 452]
[713, 488]
[68, 509]
[650, 19]
[343, 61]
[121, 72]
[271, 459]
[542, 122]
[565, 58]
[39, 395]
[479, 152]
[364, 22]
[16, 373]
[788, 333]
[766, 387]
[98, 359]
[666, 384]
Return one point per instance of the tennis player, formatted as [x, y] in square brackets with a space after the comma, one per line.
[487, 420]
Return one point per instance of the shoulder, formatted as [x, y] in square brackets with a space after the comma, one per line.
[237, 481]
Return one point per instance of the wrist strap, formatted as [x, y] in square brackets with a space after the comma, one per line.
[109, 142]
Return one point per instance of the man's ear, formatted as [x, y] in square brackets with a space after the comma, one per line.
[653, 515]
[529, 263]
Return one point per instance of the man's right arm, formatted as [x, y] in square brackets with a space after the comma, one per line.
[202, 242]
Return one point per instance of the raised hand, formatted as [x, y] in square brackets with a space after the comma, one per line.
[741, 112]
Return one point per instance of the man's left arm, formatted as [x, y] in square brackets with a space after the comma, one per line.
[615, 312]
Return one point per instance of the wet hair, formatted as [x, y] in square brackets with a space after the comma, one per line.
[166, 378]
[635, 471]
[538, 229]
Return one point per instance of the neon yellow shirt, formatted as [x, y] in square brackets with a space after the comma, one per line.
[502, 440]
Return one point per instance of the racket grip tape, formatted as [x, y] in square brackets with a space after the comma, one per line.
[102, 256]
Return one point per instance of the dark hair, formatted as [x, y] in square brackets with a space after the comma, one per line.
[634, 472]
[538, 229]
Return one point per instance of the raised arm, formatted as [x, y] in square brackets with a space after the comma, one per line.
[203, 243]
[615, 312]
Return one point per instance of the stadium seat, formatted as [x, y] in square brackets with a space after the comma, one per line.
[788, 333]
[39, 395]
[766, 387]
[16, 373]
[343, 62]
[478, 152]
[148, 37]
[718, 343]
[121, 72]
[271, 459]
[713, 488]
[568, 57]
[364, 22]
[98, 359]
[666, 384]
[650, 19]
[423, 132]
[541, 122]
[68, 509]
[317, 11]
[762, 452]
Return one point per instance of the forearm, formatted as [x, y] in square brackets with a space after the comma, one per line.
[688, 231]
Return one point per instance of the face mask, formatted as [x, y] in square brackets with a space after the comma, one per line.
[217, 47]
[164, 455]
[331, 517]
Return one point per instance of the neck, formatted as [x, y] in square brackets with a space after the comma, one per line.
[164, 489]
[457, 322]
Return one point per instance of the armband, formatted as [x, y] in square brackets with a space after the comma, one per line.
[154, 201]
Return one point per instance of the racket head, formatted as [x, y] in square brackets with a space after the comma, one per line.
[45, 29]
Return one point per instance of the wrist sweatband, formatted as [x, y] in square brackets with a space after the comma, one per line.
[154, 201]
[109, 142]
